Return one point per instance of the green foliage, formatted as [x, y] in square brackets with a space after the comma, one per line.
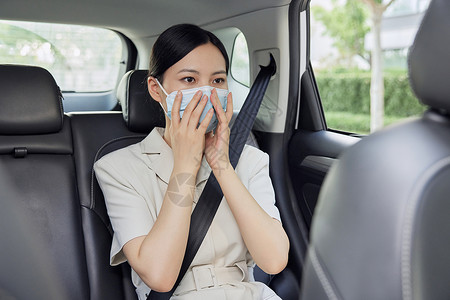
[347, 25]
[356, 123]
[350, 92]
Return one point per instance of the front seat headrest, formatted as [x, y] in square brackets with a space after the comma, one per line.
[429, 63]
[30, 101]
[140, 112]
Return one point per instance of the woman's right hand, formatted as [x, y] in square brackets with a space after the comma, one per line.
[187, 138]
[157, 257]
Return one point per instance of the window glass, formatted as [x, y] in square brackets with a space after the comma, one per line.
[82, 59]
[341, 51]
[240, 65]
[406, 7]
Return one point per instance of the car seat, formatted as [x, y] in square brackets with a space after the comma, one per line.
[381, 229]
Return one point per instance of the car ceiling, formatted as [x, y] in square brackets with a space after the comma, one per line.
[134, 18]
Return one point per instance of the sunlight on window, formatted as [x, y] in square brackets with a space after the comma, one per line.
[240, 65]
[82, 59]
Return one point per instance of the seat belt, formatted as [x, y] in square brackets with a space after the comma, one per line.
[212, 195]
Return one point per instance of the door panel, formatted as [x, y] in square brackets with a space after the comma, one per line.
[275, 145]
[311, 154]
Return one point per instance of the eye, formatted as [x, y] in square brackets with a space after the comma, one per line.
[218, 80]
[189, 79]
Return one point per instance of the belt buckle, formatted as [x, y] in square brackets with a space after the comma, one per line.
[204, 277]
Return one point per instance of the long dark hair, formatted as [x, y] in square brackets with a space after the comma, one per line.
[175, 43]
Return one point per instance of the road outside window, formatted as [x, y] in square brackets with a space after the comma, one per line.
[82, 59]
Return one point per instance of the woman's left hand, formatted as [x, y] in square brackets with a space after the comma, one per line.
[216, 145]
[264, 236]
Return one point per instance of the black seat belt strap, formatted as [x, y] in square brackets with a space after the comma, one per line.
[210, 199]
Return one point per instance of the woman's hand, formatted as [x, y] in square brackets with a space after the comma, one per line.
[188, 140]
[217, 145]
[157, 256]
[264, 236]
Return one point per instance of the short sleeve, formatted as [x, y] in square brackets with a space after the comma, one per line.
[128, 211]
[260, 186]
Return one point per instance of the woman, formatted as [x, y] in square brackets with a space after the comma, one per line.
[151, 187]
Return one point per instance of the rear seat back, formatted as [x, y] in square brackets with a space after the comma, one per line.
[92, 132]
[94, 135]
[49, 157]
[36, 152]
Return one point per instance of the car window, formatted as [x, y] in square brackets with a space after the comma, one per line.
[81, 58]
[343, 61]
[239, 75]
[240, 65]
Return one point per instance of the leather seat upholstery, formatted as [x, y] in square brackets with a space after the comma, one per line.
[95, 135]
[140, 112]
[31, 101]
[46, 161]
[38, 176]
[381, 228]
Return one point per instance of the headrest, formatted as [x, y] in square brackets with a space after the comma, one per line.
[30, 101]
[140, 112]
[429, 63]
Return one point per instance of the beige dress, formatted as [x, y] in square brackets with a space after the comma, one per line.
[134, 180]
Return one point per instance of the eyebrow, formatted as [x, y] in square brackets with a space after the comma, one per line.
[219, 72]
[197, 72]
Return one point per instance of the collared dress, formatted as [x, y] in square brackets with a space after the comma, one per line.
[134, 181]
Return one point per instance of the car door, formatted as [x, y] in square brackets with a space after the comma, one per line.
[333, 97]
[313, 148]
[302, 154]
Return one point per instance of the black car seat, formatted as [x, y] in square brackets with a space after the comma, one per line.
[382, 227]
[38, 180]
[95, 135]
[25, 274]
[55, 236]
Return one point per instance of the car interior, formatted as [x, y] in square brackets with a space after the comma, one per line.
[366, 217]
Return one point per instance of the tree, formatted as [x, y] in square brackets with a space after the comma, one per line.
[376, 8]
[347, 25]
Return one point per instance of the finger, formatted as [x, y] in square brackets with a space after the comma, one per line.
[218, 107]
[190, 107]
[197, 113]
[175, 117]
[229, 112]
[209, 136]
[204, 124]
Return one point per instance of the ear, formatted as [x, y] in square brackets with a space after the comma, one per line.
[154, 89]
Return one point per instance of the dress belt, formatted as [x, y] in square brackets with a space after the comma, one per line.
[207, 276]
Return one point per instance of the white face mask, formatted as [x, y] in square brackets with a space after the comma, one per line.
[187, 97]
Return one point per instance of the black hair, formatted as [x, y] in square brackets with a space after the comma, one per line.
[176, 42]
